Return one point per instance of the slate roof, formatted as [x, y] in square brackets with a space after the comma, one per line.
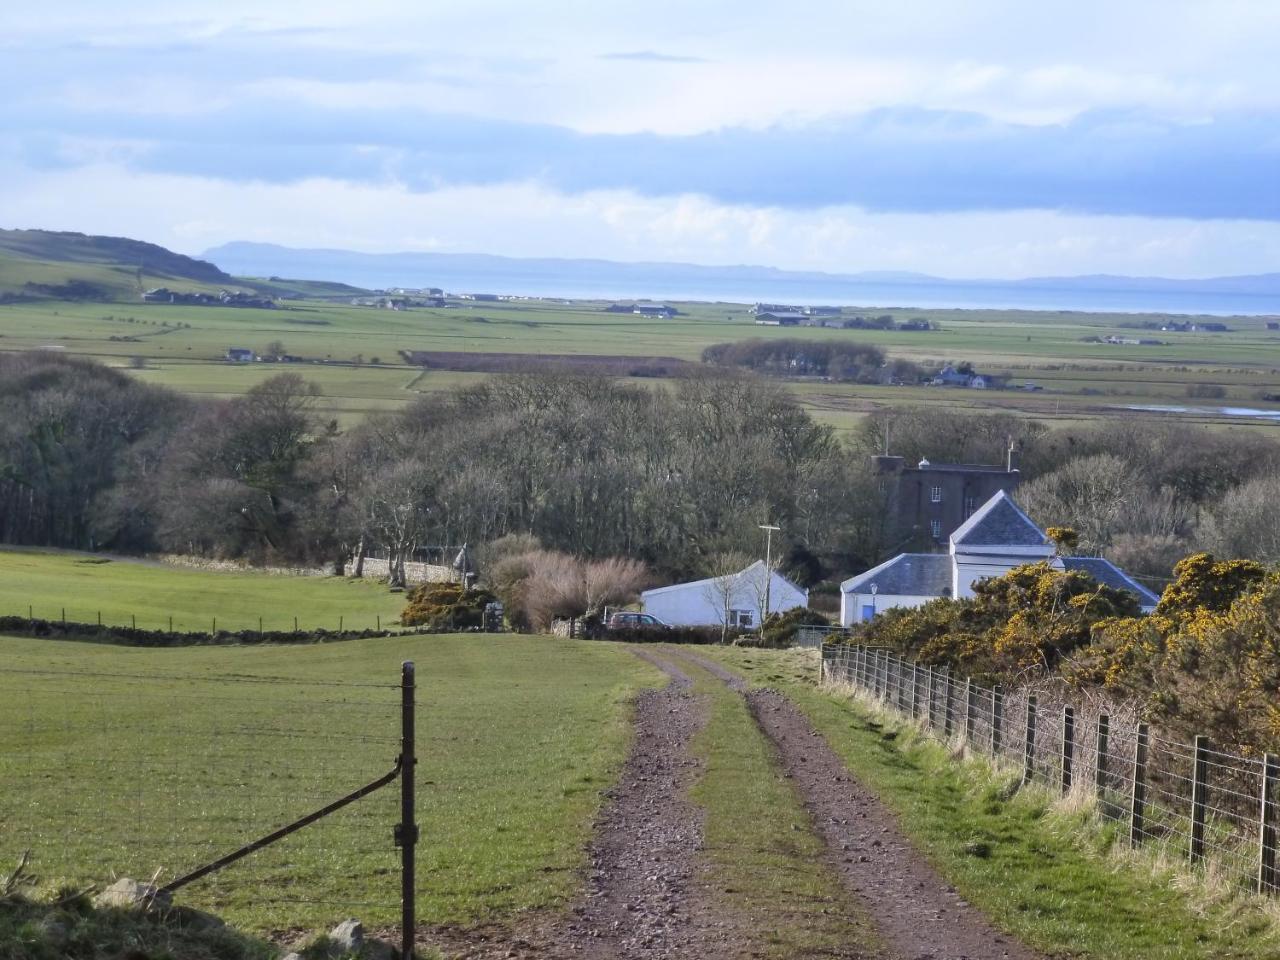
[1108, 574]
[745, 575]
[907, 574]
[999, 523]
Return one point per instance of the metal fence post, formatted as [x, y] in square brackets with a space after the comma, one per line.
[407, 830]
[1100, 763]
[1199, 798]
[1268, 878]
[1029, 749]
[997, 720]
[1138, 800]
[1068, 746]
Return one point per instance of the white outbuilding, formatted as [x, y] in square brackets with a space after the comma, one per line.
[735, 600]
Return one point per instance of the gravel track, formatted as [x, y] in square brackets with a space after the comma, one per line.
[643, 899]
[918, 915]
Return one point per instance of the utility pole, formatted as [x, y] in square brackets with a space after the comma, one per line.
[768, 529]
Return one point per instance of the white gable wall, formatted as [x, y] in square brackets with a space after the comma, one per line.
[852, 604]
[694, 605]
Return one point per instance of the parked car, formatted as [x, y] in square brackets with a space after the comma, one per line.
[629, 620]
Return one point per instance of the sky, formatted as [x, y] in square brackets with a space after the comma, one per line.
[984, 138]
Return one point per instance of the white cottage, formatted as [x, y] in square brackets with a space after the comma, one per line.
[702, 603]
[997, 538]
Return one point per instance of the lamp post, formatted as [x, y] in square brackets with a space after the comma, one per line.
[875, 588]
[768, 529]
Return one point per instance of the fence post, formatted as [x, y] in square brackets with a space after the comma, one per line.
[997, 720]
[379, 623]
[171, 623]
[928, 697]
[948, 705]
[970, 711]
[1068, 746]
[1268, 880]
[134, 620]
[899, 683]
[915, 690]
[1138, 800]
[1100, 763]
[1029, 751]
[407, 830]
[1199, 797]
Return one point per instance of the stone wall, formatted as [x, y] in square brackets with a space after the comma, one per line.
[414, 572]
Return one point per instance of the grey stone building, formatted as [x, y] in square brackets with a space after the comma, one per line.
[928, 501]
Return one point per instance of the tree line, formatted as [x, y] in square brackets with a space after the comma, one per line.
[675, 475]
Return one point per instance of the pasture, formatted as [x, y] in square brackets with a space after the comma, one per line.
[124, 592]
[353, 353]
[121, 761]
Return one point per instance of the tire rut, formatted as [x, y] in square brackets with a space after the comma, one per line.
[919, 916]
[643, 899]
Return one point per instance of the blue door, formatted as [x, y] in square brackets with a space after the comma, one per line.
[868, 611]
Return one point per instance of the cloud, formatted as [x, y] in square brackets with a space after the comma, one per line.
[530, 220]
[904, 160]
[652, 56]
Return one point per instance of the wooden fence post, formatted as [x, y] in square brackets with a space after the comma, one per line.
[915, 690]
[1068, 746]
[1138, 799]
[928, 691]
[1199, 798]
[1268, 880]
[1029, 753]
[948, 705]
[997, 720]
[1100, 762]
[970, 711]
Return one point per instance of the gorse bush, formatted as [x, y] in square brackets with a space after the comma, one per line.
[445, 606]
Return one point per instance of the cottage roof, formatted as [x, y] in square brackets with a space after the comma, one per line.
[906, 575]
[999, 523]
[754, 570]
[1108, 574]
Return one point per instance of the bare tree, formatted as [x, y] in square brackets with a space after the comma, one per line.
[723, 585]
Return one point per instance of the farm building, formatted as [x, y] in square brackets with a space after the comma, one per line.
[705, 603]
[653, 310]
[240, 355]
[997, 538]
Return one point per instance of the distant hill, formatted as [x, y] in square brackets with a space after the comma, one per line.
[483, 273]
[76, 266]
[46, 264]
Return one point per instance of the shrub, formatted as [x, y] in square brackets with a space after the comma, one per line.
[780, 628]
[445, 605]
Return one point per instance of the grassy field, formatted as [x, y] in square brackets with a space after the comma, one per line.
[125, 761]
[1041, 873]
[124, 592]
[353, 353]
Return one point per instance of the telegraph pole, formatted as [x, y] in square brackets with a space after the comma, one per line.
[768, 529]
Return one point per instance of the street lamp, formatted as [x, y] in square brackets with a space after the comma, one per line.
[768, 529]
[875, 588]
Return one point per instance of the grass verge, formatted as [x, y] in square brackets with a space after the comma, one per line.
[762, 856]
[1039, 870]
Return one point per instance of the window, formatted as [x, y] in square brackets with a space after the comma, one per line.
[970, 505]
[935, 494]
[741, 618]
[935, 527]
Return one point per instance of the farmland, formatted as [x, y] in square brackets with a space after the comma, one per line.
[353, 353]
[124, 592]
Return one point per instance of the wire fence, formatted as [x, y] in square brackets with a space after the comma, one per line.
[1218, 810]
[276, 621]
[151, 775]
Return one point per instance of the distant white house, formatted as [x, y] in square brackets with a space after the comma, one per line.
[997, 538]
[704, 603]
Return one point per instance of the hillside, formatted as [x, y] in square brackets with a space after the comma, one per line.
[43, 264]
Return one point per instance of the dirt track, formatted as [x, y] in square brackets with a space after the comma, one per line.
[644, 899]
[919, 916]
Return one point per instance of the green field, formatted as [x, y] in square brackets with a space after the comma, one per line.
[86, 588]
[183, 347]
[120, 761]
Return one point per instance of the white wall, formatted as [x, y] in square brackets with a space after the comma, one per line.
[694, 605]
[851, 605]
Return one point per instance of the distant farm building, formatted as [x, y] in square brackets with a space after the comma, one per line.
[780, 319]
[240, 355]
[653, 310]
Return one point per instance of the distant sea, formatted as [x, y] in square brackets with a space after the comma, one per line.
[612, 280]
[879, 294]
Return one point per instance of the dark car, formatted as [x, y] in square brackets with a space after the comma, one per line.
[629, 620]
